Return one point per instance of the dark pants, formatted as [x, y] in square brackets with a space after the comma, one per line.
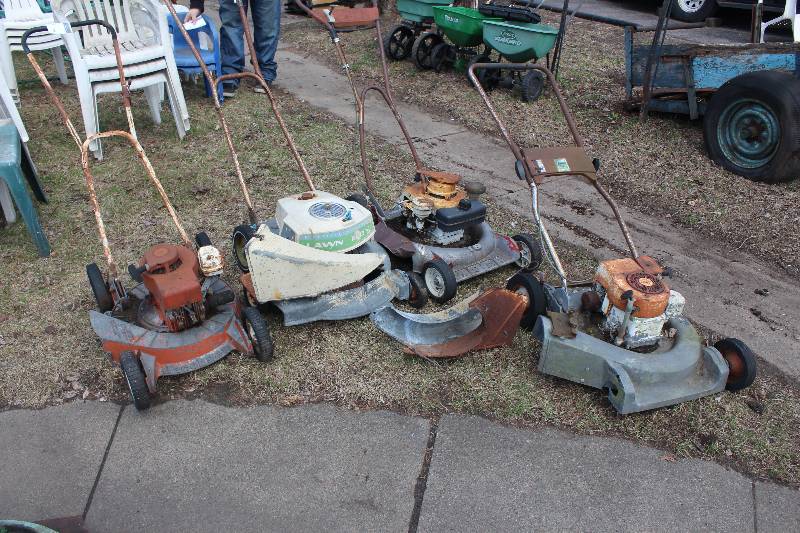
[267, 24]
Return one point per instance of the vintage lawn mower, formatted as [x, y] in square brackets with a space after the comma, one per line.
[437, 227]
[518, 37]
[623, 331]
[317, 258]
[180, 316]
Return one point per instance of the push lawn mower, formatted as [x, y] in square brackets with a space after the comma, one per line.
[437, 226]
[180, 315]
[622, 331]
[316, 259]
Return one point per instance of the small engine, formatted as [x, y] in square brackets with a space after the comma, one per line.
[635, 304]
[171, 274]
[438, 209]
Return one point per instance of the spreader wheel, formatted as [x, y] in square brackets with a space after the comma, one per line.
[440, 56]
[423, 47]
[484, 76]
[419, 296]
[530, 251]
[440, 280]
[135, 379]
[99, 287]
[399, 42]
[527, 284]
[202, 239]
[742, 366]
[241, 236]
[531, 86]
[258, 332]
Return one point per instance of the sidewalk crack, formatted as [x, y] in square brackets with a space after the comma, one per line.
[422, 479]
[102, 464]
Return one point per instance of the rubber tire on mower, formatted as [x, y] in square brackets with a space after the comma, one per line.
[258, 332]
[741, 362]
[701, 13]
[135, 379]
[537, 299]
[99, 288]
[403, 38]
[770, 98]
[241, 235]
[447, 277]
[531, 86]
[534, 249]
[202, 239]
[423, 46]
[419, 294]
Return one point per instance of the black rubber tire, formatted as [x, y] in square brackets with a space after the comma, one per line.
[258, 332]
[202, 239]
[99, 288]
[446, 278]
[135, 379]
[779, 92]
[419, 294]
[741, 361]
[241, 235]
[537, 298]
[422, 48]
[439, 56]
[398, 42]
[708, 8]
[481, 74]
[534, 248]
[531, 86]
[359, 198]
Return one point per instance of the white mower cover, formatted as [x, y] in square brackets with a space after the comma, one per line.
[282, 269]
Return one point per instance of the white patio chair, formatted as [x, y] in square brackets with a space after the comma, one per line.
[790, 15]
[9, 111]
[22, 15]
[147, 57]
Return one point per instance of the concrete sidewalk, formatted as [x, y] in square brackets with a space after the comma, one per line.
[196, 466]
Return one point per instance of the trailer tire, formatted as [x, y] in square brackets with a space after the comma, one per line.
[766, 106]
[741, 363]
[99, 288]
[258, 332]
[135, 380]
[398, 43]
[693, 10]
[241, 235]
[440, 280]
[418, 295]
[530, 251]
[528, 284]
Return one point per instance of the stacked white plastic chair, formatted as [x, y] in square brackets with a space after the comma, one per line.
[8, 111]
[789, 14]
[147, 55]
[22, 15]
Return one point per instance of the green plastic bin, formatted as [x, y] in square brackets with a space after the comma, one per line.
[420, 11]
[519, 42]
[462, 25]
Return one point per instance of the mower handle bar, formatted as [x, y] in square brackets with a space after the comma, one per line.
[529, 173]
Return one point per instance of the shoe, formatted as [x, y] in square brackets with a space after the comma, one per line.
[260, 90]
[229, 90]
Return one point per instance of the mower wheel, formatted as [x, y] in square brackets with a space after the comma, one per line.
[527, 284]
[440, 280]
[419, 296]
[359, 198]
[258, 333]
[423, 46]
[99, 287]
[530, 251]
[398, 43]
[202, 239]
[241, 236]
[751, 126]
[742, 366]
[134, 377]
[531, 86]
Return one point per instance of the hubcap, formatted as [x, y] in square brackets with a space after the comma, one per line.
[435, 282]
[735, 365]
[691, 6]
[238, 248]
[748, 133]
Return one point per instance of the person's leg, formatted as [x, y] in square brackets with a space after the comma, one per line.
[267, 23]
[231, 40]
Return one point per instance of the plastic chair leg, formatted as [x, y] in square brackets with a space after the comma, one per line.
[16, 185]
[174, 106]
[153, 94]
[32, 175]
[58, 59]
[7, 204]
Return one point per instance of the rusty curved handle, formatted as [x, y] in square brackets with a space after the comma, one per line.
[85, 158]
[571, 124]
[362, 136]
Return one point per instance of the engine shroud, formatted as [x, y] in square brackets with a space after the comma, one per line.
[173, 280]
[650, 294]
